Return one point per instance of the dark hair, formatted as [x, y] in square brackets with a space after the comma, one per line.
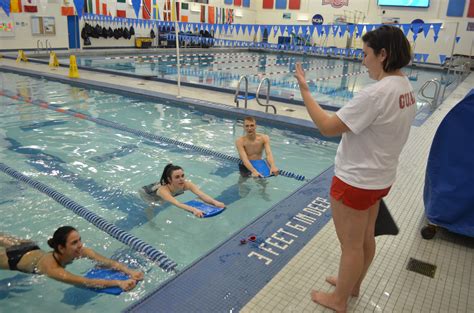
[60, 237]
[394, 42]
[167, 172]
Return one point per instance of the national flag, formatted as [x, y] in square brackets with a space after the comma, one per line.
[218, 15]
[111, 7]
[184, 12]
[267, 4]
[67, 11]
[229, 16]
[97, 7]
[167, 11]
[121, 8]
[470, 9]
[203, 14]
[176, 12]
[15, 6]
[146, 9]
[294, 5]
[30, 6]
[104, 7]
[156, 11]
[210, 15]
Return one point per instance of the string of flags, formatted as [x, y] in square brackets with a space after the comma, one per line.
[252, 29]
[335, 30]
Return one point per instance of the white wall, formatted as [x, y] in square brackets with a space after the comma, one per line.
[24, 39]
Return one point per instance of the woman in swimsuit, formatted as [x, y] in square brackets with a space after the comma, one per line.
[172, 184]
[25, 256]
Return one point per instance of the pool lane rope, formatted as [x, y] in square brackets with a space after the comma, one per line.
[133, 242]
[137, 132]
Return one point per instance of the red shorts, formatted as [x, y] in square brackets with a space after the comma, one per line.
[356, 198]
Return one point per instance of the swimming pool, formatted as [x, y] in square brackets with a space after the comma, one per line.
[102, 168]
[333, 81]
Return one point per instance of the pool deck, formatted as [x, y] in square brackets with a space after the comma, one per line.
[388, 287]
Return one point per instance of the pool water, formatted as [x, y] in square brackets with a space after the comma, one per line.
[102, 169]
[333, 81]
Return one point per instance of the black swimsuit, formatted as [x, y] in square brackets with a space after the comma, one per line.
[244, 171]
[15, 253]
[151, 191]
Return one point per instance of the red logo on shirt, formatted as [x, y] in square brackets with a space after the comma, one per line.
[407, 100]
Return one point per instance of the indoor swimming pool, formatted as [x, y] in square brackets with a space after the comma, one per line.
[102, 166]
[333, 81]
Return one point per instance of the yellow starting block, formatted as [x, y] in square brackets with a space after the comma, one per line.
[53, 60]
[73, 71]
[21, 56]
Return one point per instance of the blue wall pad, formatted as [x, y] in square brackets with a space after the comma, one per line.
[232, 274]
[456, 8]
[137, 244]
[449, 181]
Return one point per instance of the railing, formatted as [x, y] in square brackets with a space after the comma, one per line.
[40, 46]
[459, 67]
[48, 46]
[266, 105]
[246, 97]
[435, 99]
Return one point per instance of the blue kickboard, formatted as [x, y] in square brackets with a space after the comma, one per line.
[209, 210]
[107, 274]
[262, 167]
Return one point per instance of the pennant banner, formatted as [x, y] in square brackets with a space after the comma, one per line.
[30, 6]
[5, 5]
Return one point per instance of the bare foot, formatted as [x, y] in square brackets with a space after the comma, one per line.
[333, 281]
[327, 300]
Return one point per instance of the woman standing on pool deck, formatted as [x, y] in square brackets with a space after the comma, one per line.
[25, 256]
[173, 183]
[374, 128]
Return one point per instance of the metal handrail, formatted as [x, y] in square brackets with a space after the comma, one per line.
[38, 44]
[268, 96]
[49, 49]
[237, 90]
[435, 98]
[457, 67]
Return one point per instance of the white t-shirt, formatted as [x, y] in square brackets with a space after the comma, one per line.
[379, 118]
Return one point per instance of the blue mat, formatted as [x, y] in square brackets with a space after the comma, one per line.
[449, 180]
[107, 274]
[262, 167]
[209, 210]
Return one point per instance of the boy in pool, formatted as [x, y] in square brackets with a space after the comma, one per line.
[251, 146]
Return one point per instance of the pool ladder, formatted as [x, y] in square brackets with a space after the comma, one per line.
[244, 97]
[40, 47]
[267, 100]
[247, 97]
[435, 99]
